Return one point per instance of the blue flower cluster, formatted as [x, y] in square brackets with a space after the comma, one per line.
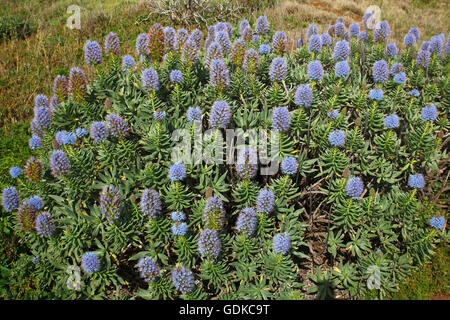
[315, 43]
[189, 52]
[326, 39]
[376, 94]
[247, 163]
[220, 114]
[150, 203]
[380, 71]
[339, 30]
[391, 121]
[159, 115]
[354, 187]
[177, 172]
[244, 24]
[183, 279]
[429, 113]
[181, 37]
[423, 58]
[90, 262]
[44, 225]
[262, 26]
[127, 63]
[65, 138]
[281, 243]
[214, 214]
[15, 172]
[150, 80]
[415, 32]
[382, 32]
[41, 121]
[315, 70]
[281, 119]
[416, 181]
[117, 126]
[265, 202]
[354, 30]
[194, 114]
[414, 93]
[409, 40]
[35, 142]
[197, 37]
[278, 69]
[342, 69]
[279, 43]
[333, 114]
[80, 132]
[264, 48]
[251, 61]
[176, 76]
[218, 75]
[60, 87]
[179, 228]
[36, 203]
[303, 96]
[59, 164]
[40, 101]
[141, 45]
[92, 53]
[169, 39]
[209, 244]
[391, 50]
[99, 132]
[237, 52]
[436, 45]
[177, 216]
[438, 222]
[10, 199]
[246, 221]
[400, 78]
[396, 68]
[289, 165]
[213, 52]
[312, 29]
[223, 39]
[336, 138]
[112, 44]
[148, 269]
[341, 50]
[77, 84]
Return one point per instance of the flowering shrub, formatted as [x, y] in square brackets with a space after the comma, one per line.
[354, 128]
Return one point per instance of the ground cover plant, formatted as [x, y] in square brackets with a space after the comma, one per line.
[356, 128]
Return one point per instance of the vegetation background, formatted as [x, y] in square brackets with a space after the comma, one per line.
[36, 45]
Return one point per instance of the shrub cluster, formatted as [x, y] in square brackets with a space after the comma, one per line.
[358, 123]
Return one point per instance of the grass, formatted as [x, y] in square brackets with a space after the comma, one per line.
[29, 64]
[430, 282]
[14, 150]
